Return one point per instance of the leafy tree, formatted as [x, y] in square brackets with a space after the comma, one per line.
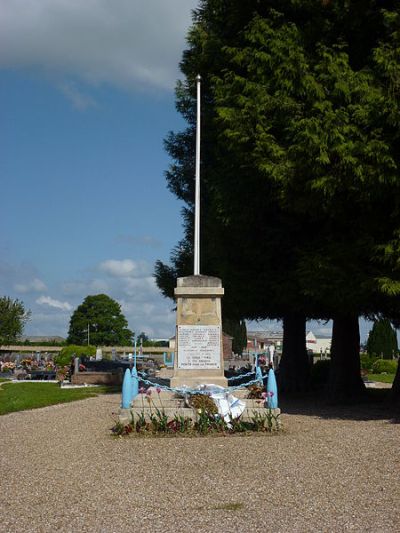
[142, 337]
[13, 317]
[382, 340]
[299, 167]
[306, 114]
[107, 325]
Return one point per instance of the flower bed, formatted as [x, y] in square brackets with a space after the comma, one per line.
[157, 417]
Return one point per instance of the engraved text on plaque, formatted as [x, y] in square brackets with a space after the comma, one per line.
[199, 347]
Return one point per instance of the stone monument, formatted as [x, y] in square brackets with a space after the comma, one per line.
[199, 350]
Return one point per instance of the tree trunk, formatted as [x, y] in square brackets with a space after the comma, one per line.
[294, 368]
[345, 381]
[395, 391]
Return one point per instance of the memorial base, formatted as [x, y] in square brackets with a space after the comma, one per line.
[193, 381]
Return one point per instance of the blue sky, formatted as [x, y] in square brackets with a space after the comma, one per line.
[86, 99]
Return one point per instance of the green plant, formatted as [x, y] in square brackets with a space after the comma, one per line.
[121, 429]
[64, 358]
[384, 365]
[267, 421]
[180, 424]
[159, 421]
[367, 361]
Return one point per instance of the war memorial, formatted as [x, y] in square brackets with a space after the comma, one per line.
[198, 364]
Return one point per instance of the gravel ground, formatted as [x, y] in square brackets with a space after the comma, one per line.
[62, 471]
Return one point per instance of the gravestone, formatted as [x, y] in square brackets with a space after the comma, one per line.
[199, 349]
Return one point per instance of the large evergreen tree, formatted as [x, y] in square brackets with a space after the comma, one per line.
[300, 166]
[382, 340]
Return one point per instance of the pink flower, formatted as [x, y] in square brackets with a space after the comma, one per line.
[264, 395]
[158, 389]
[148, 392]
[270, 394]
[142, 390]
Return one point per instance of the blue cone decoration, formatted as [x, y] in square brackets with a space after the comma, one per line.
[272, 390]
[259, 375]
[135, 383]
[126, 390]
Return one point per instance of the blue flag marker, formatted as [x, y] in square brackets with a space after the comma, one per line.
[272, 389]
[126, 390]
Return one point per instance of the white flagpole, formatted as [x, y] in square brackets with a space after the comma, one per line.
[197, 187]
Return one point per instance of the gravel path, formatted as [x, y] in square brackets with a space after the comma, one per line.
[61, 471]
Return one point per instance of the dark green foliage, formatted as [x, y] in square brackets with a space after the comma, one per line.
[107, 324]
[13, 317]
[64, 358]
[142, 337]
[367, 361]
[236, 329]
[300, 151]
[382, 340]
[384, 365]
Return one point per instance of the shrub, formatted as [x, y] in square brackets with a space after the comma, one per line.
[64, 358]
[367, 361]
[384, 365]
[320, 373]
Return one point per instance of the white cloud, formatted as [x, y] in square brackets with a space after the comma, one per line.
[78, 99]
[125, 268]
[48, 324]
[130, 43]
[35, 285]
[51, 302]
[154, 317]
[128, 281]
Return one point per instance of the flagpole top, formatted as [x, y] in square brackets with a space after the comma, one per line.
[198, 78]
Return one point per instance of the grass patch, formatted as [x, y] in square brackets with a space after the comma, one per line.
[21, 396]
[382, 378]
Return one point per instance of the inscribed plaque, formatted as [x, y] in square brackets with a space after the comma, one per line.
[199, 347]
